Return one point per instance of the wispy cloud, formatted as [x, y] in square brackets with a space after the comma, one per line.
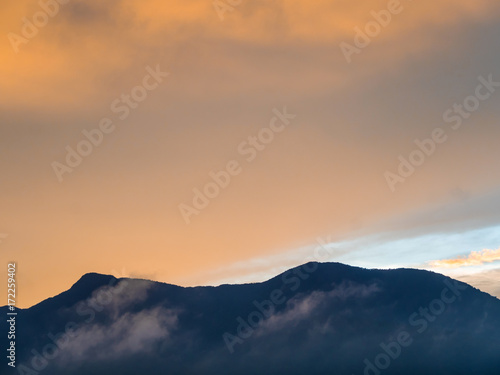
[129, 334]
[475, 258]
[302, 306]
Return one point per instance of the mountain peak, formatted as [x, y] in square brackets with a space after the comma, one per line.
[91, 281]
[95, 275]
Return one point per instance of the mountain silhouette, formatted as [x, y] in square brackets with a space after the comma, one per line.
[318, 318]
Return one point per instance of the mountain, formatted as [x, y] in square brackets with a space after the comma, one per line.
[319, 318]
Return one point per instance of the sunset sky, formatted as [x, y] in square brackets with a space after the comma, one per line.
[217, 78]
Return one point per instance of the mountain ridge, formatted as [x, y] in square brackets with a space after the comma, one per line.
[307, 310]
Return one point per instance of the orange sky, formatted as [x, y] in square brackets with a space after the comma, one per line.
[321, 176]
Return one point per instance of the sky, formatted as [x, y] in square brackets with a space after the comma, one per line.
[198, 142]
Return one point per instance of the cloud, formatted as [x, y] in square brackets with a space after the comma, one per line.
[353, 122]
[127, 293]
[475, 258]
[129, 334]
[110, 34]
[302, 307]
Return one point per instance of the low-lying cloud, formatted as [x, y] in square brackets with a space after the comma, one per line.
[130, 334]
[302, 307]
